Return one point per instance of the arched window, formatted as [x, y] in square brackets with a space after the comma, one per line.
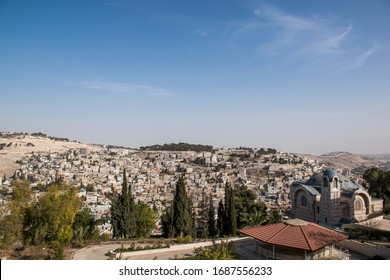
[303, 201]
[336, 183]
[325, 182]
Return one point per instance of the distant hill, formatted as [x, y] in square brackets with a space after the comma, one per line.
[355, 162]
[178, 147]
[14, 146]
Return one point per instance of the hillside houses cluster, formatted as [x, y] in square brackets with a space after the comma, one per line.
[153, 175]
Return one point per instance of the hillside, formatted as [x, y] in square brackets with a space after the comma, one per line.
[357, 163]
[14, 147]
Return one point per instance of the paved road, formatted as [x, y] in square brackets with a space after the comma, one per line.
[94, 252]
[97, 252]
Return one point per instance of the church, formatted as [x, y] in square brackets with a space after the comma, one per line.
[330, 198]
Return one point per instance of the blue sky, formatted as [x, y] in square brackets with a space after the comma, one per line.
[298, 76]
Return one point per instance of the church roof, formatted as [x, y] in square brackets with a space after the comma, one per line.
[346, 185]
[311, 190]
[330, 173]
[296, 234]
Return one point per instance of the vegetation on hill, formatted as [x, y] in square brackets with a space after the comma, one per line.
[130, 219]
[238, 209]
[178, 219]
[379, 185]
[40, 134]
[117, 147]
[178, 147]
[53, 221]
[35, 134]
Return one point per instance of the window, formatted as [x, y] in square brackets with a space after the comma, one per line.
[326, 220]
[318, 209]
[325, 182]
[358, 205]
[336, 183]
[303, 201]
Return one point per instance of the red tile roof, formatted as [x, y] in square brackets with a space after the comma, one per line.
[295, 234]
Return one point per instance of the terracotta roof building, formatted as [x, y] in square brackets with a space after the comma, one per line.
[292, 239]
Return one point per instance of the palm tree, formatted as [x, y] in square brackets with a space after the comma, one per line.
[222, 251]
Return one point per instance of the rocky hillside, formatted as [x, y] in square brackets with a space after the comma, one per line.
[14, 146]
[356, 163]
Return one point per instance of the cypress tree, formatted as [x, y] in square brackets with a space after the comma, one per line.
[182, 212]
[227, 213]
[211, 219]
[192, 214]
[116, 216]
[230, 215]
[220, 219]
[123, 212]
[233, 215]
[128, 209]
[167, 222]
[202, 219]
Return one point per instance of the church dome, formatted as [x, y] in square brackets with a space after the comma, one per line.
[330, 173]
[345, 183]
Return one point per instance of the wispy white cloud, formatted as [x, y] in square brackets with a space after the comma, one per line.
[111, 87]
[201, 33]
[127, 88]
[321, 44]
[330, 41]
[359, 60]
[281, 33]
[276, 17]
[304, 36]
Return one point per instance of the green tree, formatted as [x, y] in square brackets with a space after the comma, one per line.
[233, 216]
[167, 227]
[50, 220]
[182, 210]
[11, 216]
[230, 216]
[220, 219]
[123, 214]
[145, 221]
[275, 217]
[378, 183]
[84, 227]
[248, 210]
[257, 219]
[227, 214]
[212, 229]
[202, 218]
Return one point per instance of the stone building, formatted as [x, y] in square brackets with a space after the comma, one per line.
[331, 198]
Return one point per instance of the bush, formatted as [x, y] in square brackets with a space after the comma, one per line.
[223, 251]
[184, 240]
[133, 247]
[105, 236]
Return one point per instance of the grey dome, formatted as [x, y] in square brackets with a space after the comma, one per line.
[330, 173]
[345, 183]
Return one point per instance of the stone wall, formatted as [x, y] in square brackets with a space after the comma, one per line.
[366, 249]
